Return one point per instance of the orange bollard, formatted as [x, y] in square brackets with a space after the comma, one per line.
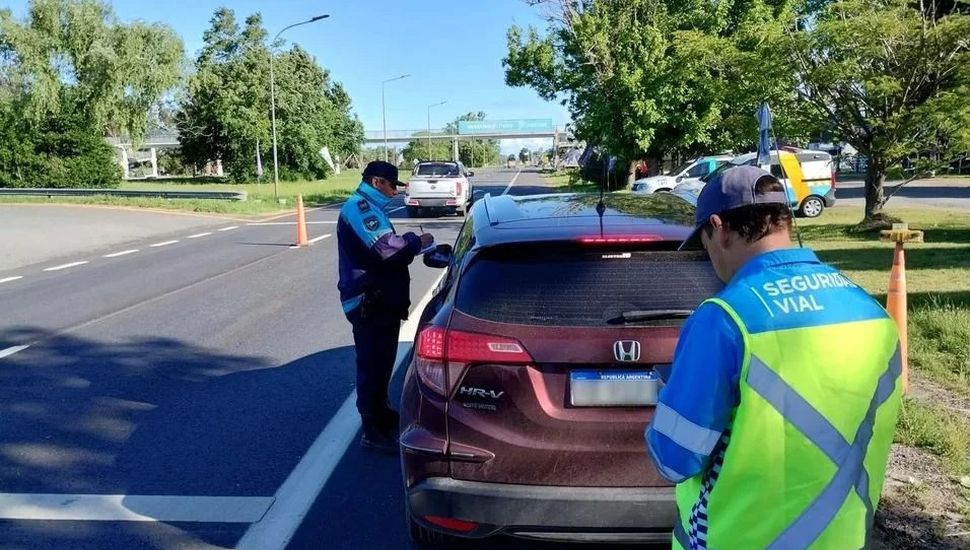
[896, 305]
[896, 302]
[301, 236]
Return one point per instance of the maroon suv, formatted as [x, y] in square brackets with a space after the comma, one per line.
[535, 370]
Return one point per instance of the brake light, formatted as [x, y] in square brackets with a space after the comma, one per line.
[621, 239]
[458, 189]
[452, 524]
[443, 355]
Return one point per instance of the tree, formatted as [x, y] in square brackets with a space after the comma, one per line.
[226, 112]
[524, 154]
[644, 78]
[892, 79]
[70, 73]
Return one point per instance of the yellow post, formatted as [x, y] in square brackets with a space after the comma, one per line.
[896, 302]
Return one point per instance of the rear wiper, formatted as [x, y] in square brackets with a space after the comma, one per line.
[636, 315]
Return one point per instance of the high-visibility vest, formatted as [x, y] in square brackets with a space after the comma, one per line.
[803, 462]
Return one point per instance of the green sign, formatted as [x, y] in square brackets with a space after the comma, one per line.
[519, 126]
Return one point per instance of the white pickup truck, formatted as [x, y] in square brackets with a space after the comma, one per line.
[439, 186]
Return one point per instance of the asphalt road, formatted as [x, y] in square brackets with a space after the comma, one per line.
[196, 393]
[950, 193]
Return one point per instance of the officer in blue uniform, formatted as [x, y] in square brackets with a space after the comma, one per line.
[374, 291]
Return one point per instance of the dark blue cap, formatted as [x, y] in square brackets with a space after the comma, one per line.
[382, 169]
[730, 189]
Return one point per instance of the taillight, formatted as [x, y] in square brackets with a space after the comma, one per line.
[443, 355]
[458, 189]
[452, 524]
[621, 239]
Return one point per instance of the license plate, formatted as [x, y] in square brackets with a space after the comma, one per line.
[612, 388]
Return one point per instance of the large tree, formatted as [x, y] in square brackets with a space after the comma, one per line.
[892, 77]
[644, 78]
[226, 111]
[70, 74]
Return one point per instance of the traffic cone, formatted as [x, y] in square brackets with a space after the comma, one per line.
[897, 307]
[301, 237]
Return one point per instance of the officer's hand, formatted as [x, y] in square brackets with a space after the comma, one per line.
[426, 240]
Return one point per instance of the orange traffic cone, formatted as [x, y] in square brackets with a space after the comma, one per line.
[897, 307]
[301, 237]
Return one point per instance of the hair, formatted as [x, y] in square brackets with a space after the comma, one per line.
[757, 221]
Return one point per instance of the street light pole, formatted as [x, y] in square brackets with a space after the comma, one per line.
[384, 113]
[429, 125]
[272, 98]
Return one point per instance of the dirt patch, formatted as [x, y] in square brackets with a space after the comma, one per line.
[921, 507]
[931, 393]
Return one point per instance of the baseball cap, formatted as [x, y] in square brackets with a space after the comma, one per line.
[730, 189]
[382, 169]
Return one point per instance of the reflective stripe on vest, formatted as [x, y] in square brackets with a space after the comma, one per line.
[848, 457]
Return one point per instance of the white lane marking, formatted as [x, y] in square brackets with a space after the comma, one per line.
[64, 507]
[163, 243]
[511, 183]
[230, 228]
[393, 210]
[65, 266]
[291, 223]
[12, 350]
[303, 485]
[320, 238]
[8, 279]
[197, 235]
[122, 253]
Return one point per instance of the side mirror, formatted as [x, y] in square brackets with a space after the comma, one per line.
[679, 179]
[470, 174]
[440, 257]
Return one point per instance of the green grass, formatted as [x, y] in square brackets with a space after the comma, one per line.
[569, 181]
[260, 197]
[941, 432]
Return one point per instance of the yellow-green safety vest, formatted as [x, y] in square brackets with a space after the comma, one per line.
[803, 462]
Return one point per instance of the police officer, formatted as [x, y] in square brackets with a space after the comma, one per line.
[374, 291]
[780, 408]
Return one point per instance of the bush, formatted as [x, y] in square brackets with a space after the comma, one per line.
[61, 152]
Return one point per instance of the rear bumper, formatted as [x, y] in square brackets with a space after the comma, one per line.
[449, 202]
[587, 514]
[829, 198]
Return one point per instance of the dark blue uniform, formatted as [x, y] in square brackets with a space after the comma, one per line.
[374, 290]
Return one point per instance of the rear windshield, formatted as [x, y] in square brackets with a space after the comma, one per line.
[583, 288]
[437, 170]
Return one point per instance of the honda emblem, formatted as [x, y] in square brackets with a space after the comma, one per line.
[626, 351]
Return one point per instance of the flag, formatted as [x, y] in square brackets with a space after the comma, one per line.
[259, 162]
[764, 134]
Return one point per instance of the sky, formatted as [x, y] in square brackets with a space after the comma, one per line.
[453, 50]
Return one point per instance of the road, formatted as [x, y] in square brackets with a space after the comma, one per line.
[194, 391]
[950, 193]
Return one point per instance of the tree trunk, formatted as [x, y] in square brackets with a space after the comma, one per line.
[631, 174]
[875, 178]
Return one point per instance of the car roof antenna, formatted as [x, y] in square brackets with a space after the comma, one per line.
[601, 206]
[784, 173]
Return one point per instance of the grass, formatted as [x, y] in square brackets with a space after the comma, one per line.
[938, 283]
[943, 433]
[260, 197]
[569, 181]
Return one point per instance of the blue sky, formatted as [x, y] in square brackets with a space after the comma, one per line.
[452, 48]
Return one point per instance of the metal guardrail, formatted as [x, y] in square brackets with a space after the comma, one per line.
[47, 192]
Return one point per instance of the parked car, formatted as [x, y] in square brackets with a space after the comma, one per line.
[808, 175]
[689, 171]
[440, 187]
[536, 366]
